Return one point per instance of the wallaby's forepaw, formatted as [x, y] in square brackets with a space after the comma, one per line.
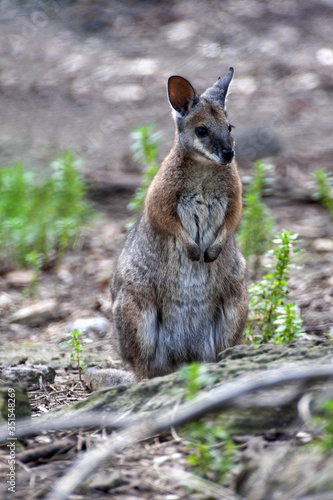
[212, 253]
[193, 252]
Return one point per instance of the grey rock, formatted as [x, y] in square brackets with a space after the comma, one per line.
[95, 325]
[97, 379]
[27, 374]
[37, 314]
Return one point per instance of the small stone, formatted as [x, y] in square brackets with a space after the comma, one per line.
[20, 278]
[323, 245]
[161, 460]
[304, 437]
[91, 326]
[6, 302]
[37, 314]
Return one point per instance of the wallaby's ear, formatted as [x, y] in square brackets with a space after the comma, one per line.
[182, 95]
[218, 92]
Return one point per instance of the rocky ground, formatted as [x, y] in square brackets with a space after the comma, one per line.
[81, 75]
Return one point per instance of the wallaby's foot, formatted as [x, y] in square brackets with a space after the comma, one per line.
[212, 253]
[96, 378]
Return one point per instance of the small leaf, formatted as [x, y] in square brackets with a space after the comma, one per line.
[64, 344]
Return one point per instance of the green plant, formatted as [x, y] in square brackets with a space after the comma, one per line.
[33, 260]
[77, 348]
[272, 318]
[196, 376]
[37, 219]
[145, 151]
[211, 451]
[325, 423]
[212, 454]
[324, 193]
[288, 324]
[255, 231]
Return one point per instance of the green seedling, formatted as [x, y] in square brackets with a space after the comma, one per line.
[77, 348]
[288, 325]
[212, 454]
[324, 192]
[255, 231]
[272, 318]
[145, 151]
[34, 260]
[196, 376]
[324, 424]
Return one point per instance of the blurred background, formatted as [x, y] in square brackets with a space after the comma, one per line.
[82, 74]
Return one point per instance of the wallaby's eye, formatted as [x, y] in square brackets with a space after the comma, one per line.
[230, 127]
[201, 132]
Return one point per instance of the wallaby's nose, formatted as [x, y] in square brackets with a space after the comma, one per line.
[228, 154]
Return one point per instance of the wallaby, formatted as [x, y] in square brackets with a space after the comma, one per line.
[179, 289]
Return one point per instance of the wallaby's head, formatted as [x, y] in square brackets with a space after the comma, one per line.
[202, 123]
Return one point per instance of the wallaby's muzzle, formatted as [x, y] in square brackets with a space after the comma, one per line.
[228, 155]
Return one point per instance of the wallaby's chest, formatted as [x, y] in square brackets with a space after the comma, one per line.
[202, 215]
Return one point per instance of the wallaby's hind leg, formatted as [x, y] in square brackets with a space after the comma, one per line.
[135, 325]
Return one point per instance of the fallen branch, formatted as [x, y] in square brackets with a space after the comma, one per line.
[215, 400]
